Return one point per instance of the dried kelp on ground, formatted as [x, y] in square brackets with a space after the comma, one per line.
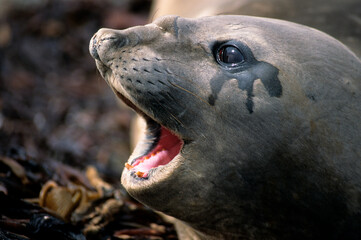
[65, 203]
[63, 137]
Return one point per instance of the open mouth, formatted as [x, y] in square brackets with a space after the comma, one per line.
[159, 147]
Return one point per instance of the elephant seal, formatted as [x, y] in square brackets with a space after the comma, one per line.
[253, 125]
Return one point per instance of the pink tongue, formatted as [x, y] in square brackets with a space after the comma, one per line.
[167, 148]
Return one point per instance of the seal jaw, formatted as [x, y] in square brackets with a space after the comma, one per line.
[160, 144]
[158, 147]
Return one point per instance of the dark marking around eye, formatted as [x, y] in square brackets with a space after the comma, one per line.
[246, 70]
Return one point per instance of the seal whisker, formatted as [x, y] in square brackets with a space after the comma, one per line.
[179, 77]
[174, 117]
[195, 95]
[178, 120]
[173, 60]
[154, 14]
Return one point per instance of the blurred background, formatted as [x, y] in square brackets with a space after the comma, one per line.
[53, 102]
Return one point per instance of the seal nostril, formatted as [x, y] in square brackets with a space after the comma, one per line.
[106, 40]
[112, 40]
[93, 48]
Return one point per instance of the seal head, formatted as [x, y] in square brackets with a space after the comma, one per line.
[252, 125]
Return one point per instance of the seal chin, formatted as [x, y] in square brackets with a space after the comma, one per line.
[158, 147]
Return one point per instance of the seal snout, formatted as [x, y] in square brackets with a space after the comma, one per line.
[93, 48]
[104, 41]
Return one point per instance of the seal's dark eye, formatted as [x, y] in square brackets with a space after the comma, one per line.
[230, 55]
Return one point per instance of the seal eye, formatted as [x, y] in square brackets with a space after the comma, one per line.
[230, 55]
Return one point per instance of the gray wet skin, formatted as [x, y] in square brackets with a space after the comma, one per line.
[272, 145]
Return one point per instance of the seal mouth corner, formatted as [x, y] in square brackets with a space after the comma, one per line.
[158, 147]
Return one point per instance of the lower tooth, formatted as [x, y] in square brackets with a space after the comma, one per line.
[128, 166]
[139, 174]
